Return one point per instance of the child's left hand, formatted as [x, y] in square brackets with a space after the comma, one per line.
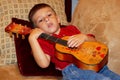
[77, 40]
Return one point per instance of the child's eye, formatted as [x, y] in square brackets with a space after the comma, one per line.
[40, 20]
[49, 15]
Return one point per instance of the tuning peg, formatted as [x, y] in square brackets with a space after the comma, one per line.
[13, 23]
[10, 33]
[23, 37]
[19, 24]
[17, 35]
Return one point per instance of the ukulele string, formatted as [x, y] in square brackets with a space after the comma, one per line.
[47, 37]
[56, 40]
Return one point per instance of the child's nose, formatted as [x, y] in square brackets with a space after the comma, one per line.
[46, 19]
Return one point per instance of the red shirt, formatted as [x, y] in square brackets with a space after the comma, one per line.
[49, 47]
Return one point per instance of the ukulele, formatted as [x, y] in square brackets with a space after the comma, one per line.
[88, 56]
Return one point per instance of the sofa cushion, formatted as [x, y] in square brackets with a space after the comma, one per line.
[91, 18]
[101, 18]
[19, 9]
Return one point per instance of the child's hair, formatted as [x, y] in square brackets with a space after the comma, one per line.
[36, 8]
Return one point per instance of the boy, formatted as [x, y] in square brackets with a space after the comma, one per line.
[45, 20]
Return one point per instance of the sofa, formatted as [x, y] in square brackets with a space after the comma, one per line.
[99, 17]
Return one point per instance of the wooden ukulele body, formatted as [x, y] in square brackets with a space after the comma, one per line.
[88, 56]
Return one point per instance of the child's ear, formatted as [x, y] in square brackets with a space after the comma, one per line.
[58, 18]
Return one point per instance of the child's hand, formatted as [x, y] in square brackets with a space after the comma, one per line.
[77, 40]
[35, 33]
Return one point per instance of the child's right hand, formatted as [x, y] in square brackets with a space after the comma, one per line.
[35, 33]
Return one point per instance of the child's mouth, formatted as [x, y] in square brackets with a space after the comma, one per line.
[50, 25]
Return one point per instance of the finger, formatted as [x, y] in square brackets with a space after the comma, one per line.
[73, 43]
[71, 39]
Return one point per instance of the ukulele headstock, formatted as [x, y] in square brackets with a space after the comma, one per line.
[18, 27]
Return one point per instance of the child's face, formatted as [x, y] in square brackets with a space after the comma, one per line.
[47, 20]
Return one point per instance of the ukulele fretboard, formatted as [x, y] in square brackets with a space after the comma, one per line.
[53, 39]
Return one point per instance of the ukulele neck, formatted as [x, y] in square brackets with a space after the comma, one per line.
[53, 39]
